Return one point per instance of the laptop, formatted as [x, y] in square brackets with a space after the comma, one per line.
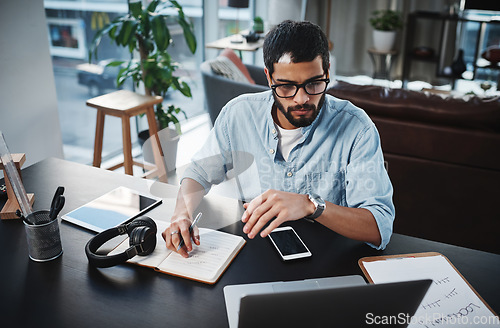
[327, 302]
[234, 293]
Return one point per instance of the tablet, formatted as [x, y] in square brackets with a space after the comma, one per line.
[111, 209]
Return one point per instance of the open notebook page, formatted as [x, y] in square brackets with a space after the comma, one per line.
[206, 261]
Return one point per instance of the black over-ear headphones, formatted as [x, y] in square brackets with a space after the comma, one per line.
[142, 240]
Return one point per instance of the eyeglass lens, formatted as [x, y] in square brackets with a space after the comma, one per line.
[311, 88]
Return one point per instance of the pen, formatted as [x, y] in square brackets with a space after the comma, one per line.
[190, 230]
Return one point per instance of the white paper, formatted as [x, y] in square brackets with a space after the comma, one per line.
[449, 302]
[205, 260]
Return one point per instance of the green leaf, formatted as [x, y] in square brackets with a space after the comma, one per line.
[127, 32]
[115, 63]
[112, 32]
[132, 45]
[121, 77]
[132, 70]
[165, 75]
[176, 4]
[188, 34]
[135, 8]
[185, 89]
[182, 87]
[149, 81]
[160, 31]
[180, 12]
[176, 84]
[174, 119]
[152, 6]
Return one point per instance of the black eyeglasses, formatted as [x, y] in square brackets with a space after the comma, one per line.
[289, 90]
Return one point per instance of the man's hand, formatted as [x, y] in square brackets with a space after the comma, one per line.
[282, 205]
[180, 227]
[188, 198]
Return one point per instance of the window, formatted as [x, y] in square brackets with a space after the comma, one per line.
[488, 35]
[72, 26]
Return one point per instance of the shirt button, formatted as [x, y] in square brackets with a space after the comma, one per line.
[273, 131]
[271, 151]
[289, 174]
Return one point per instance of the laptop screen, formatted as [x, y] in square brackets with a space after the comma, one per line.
[358, 306]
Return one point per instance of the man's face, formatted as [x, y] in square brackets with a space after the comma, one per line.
[301, 109]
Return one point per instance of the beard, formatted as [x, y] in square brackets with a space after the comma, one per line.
[300, 121]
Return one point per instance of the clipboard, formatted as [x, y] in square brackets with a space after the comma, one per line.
[362, 261]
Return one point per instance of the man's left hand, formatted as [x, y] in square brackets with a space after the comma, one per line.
[281, 205]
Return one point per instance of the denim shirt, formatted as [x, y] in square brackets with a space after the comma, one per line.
[339, 157]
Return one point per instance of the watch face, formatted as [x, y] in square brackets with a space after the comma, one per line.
[319, 203]
[317, 200]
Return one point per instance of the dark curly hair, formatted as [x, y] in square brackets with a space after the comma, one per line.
[304, 41]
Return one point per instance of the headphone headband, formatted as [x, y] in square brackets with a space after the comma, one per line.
[142, 236]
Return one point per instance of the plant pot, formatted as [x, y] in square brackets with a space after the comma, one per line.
[169, 140]
[383, 41]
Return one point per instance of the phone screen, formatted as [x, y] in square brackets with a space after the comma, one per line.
[288, 242]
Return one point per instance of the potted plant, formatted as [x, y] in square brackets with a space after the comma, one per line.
[258, 25]
[145, 30]
[385, 23]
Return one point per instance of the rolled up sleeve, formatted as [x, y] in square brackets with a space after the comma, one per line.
[367, 182]
[211, 163]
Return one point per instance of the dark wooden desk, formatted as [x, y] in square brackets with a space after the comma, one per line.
[67, 292]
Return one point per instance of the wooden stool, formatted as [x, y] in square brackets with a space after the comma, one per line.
[126, 104]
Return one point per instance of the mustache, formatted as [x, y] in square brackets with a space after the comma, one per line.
[302, 107]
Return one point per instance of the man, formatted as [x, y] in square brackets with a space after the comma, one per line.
[311, 155]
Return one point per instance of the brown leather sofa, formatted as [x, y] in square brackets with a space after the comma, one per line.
[443, 157]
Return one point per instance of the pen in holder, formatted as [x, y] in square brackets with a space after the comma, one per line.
[44, 238]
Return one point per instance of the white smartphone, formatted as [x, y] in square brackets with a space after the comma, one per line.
[288, 244]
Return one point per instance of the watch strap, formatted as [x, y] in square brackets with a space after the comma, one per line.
[319, 204]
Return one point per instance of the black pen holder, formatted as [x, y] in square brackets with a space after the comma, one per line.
[44, 238]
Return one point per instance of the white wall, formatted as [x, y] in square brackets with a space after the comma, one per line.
[28, 104]
[350, 30]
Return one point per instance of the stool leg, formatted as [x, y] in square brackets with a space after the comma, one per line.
[155, 143]
[153, 130]
[127, 145]
[99, 132]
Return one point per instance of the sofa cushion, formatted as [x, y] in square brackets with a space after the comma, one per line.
[225, 67]
[473, 112]
[231, 55]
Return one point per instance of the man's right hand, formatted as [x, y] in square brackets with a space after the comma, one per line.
[179, 226]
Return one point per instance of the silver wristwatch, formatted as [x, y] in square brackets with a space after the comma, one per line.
[319, 204]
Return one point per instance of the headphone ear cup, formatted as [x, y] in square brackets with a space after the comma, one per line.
[141, 221]
[145, 237]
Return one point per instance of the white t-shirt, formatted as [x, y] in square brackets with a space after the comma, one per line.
[287, 140]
